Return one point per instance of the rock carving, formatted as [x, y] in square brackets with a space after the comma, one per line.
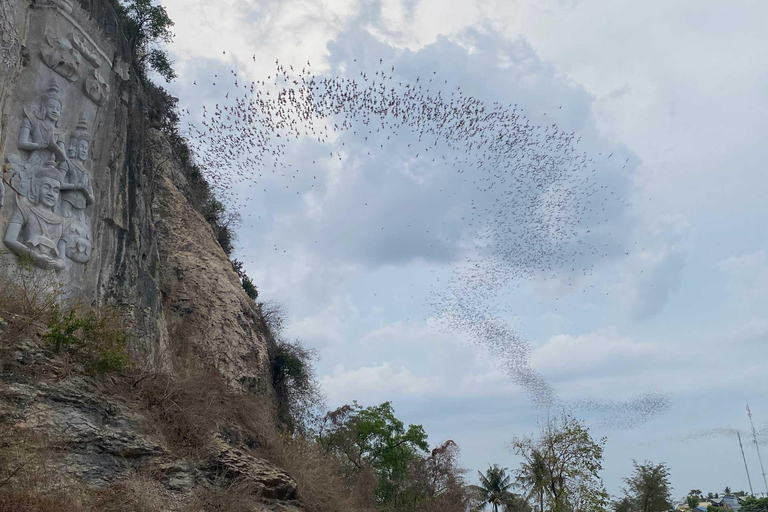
[77, 195]
[96, 88]
[35, 231]
[85, 48]
[9, 36]
[61, 56]
[52, 188]
[39, 129]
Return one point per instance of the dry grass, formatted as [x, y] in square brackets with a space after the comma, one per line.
[320, 478]
[228, 496]
[27, 297]
[188, 407]
[135, 494]
[27, 482]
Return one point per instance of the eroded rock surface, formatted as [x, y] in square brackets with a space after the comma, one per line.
[95, 198]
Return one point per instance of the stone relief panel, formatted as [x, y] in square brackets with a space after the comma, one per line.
[52, 187]
[77, 194]
[9, 38]
[61, 56]
[85, 48]
[35, 230]
[57, 139]
[96, 88]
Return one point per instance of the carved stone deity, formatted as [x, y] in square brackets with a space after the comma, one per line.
[77, 194]
[39, 129]
[35, 231]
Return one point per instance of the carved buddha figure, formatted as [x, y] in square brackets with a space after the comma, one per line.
[39, 129]
[34, 230]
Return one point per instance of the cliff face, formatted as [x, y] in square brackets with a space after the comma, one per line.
[119, 231]
[91, 194]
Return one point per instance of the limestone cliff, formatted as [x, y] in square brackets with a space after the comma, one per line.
[128, 236]
[92, 195]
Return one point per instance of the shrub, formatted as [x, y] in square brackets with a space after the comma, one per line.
[94, 338]
[27, 296]
[319, 477]
[299, 396]
[248, 285]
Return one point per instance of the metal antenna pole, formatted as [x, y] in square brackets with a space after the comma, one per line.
[757, 447]
[738, 434]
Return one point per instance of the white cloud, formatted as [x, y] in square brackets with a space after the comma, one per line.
[653, 270]
[747, 277]
[604, 350]
[378, 383]
[329, 326]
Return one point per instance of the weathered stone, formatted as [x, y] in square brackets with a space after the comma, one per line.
[98, 199]
[204, 299]
[180, 476]
[235, 464]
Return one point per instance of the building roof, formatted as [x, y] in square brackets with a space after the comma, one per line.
[731, 502]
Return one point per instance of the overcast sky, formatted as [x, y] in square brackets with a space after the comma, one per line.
[679, 89]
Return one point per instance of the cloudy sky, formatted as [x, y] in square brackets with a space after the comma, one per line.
[678, 89]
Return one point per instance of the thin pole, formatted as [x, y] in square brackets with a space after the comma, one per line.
[757, 447]
[738, 434]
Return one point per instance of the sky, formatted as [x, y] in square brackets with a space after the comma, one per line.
[677, 92]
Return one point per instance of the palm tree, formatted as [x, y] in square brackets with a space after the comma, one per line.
[532, 477]
[494, 487]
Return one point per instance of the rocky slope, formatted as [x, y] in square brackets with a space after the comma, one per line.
[122, 234]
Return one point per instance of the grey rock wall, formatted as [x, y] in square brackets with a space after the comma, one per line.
[90, 193]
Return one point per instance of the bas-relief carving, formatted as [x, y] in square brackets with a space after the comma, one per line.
[9, 37]
[61, 56]
[35, 230]
[40, 127]
[77, 195]
[49, 181]
[52, 187]
[96, 88]
[85, 48]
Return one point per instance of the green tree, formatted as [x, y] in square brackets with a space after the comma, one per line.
[373, 437]
[692, 501]
[625, 504]
[572, 462]
[649, 487]
[752, 504]
[727, 490]
[437, 483]
[517, 504]
[494, 487]
[532, 475]
[147, 26]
